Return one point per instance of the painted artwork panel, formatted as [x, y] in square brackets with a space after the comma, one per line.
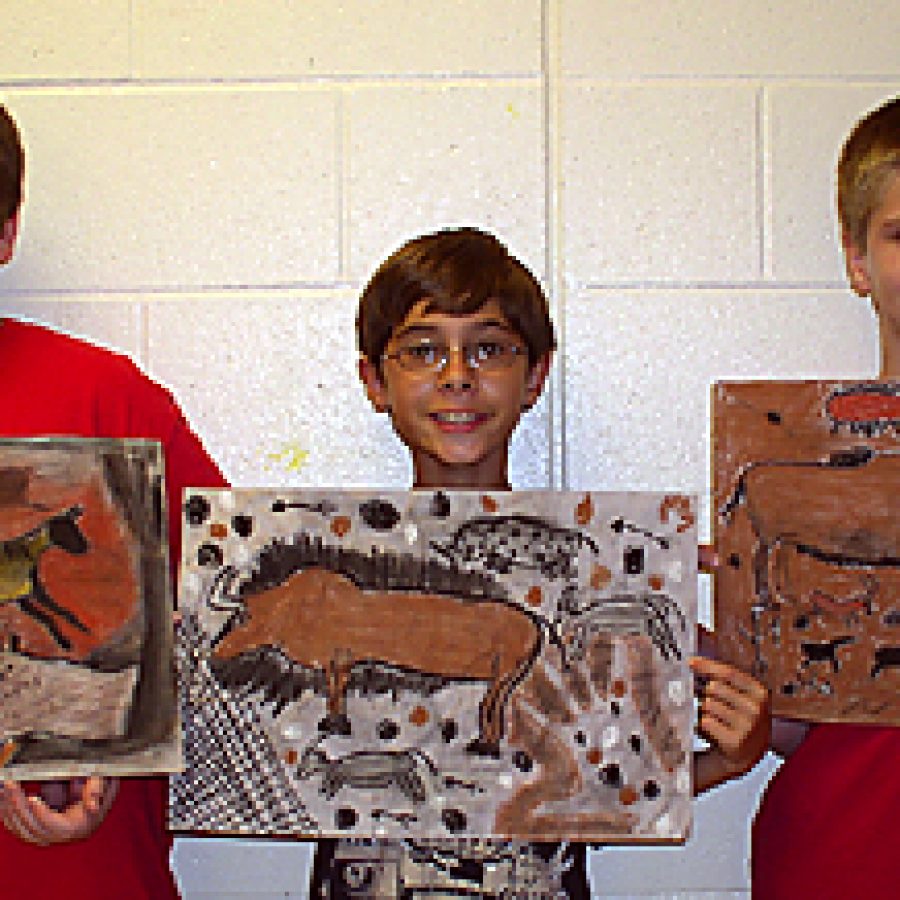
[807, 479]
[86, 649]
[437, 665]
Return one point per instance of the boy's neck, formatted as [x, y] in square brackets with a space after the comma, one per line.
[890, 350]
[465, 478]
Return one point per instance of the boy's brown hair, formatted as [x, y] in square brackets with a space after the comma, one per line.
[869, 158]
[457, 271]
[12, 165]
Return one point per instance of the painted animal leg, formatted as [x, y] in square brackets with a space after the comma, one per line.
[489, 729]
[493, 705]
[36, 612]
[337, 677]
[44, 599]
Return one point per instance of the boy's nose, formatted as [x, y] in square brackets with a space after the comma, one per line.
[456, 374]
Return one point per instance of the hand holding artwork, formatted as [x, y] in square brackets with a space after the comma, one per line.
[36, 821]
[734, 717]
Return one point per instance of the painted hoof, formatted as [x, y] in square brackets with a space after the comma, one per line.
[482, 748]
[339, 725]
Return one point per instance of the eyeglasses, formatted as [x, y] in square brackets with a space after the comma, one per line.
[429, 357]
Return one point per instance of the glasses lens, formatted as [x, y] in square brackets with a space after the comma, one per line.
[486, 355]
[421, 357]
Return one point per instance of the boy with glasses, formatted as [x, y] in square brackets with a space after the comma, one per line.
[455, 343]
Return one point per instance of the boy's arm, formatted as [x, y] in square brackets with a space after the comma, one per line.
[787, 735]
[734, 717]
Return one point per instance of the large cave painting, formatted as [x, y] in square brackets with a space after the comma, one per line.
[437, 665]
[86, 650]
[807, 480]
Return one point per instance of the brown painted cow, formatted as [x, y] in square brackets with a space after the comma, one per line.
[322, 620]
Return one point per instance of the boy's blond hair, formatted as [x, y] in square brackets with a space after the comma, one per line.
[869, 159]
[12, 165]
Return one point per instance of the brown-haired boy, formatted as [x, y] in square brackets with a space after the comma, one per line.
[828, 824]
[94, 839]
[456, 342]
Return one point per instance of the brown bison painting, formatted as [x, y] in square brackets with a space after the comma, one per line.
[807, 479]
[431, 665]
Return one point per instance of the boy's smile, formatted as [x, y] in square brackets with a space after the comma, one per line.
[455, 387]
[876, 273]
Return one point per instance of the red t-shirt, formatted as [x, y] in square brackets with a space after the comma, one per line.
[54, 385]
[828, 825]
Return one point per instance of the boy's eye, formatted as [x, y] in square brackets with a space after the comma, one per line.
[423, 354]
[488, 350]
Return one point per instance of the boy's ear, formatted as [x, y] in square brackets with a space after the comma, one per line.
[536, 378]
[375, 389]
[8, 234]
[857, 263]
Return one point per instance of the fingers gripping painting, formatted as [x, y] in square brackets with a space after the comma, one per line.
[86, 674]
[807, 476]
[438, 665]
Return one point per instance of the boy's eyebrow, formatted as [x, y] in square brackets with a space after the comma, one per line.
[425, 329]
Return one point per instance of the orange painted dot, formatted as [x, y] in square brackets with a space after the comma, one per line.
[290, 757]
[600, 577]
[628, 795]
[419, 715]
[488, 504]
[656, 582]
[595, 756]
[218, 530]
[584, 512]
[340, 525]
[534, 597]
[618, 688]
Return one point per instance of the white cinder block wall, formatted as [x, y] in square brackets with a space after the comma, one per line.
[210, 183]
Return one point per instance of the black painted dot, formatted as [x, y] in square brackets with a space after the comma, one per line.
[449, 730]
[801, 622]
[614, 708]
[379, 514]
[580, 738]
[242, 525]
[789, 689]
[345, 817]
[734, 560]
[388, 730]
[617, 525]
[774, 417]
[522, 761]
[633, 561]
[440, 505]
[209, 555]
[635, 743]
[454, 820]
[196, 510]
[651, 790]
[611, 775]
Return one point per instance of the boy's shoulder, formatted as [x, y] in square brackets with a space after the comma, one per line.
[34, 346]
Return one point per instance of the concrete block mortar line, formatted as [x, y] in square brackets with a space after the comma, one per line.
[551, 134]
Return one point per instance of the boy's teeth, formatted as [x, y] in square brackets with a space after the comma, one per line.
[456, 418]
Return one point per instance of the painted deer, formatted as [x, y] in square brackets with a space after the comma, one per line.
[322, 620]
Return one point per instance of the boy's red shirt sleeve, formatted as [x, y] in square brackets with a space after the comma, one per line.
[55, 385]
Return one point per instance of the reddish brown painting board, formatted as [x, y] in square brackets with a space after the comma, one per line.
[430, 665]
[86, 656]
[807, 527]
